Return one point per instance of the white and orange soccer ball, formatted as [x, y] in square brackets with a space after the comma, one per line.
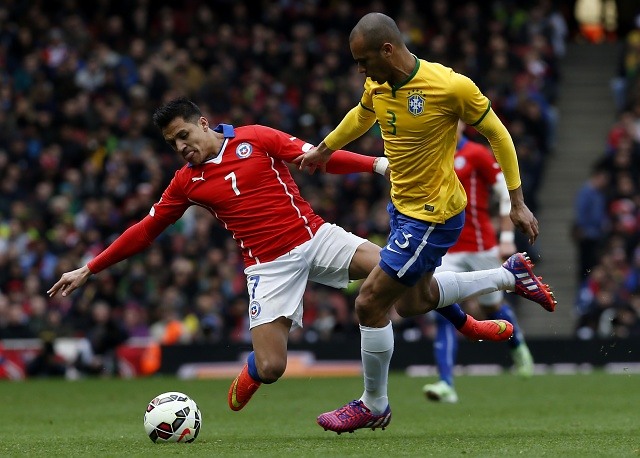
[172, 417]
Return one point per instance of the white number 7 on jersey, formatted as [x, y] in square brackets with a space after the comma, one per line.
[232, 177]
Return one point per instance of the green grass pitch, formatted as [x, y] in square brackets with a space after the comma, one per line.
[593, 414]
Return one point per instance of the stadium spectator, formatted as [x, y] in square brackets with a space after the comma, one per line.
[591, 222]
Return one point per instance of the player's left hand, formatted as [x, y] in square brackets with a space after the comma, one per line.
[524, 221]
[70, 281]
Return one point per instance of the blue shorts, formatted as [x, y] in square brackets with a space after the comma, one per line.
[416, 247]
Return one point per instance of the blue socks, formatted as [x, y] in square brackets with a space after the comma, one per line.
[445, 348]
[454, 314]
[253, 369]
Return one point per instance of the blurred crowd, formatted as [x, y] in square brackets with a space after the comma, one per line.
[607, 224]
[80, 160]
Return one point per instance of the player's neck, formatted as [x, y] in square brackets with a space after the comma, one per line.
[404, 67]
[217, 140]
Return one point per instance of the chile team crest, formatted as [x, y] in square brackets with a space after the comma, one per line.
[416, 102]
[254, 309]
[244, 150]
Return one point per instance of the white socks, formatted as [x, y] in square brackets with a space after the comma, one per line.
[376, 349]
[458, 286]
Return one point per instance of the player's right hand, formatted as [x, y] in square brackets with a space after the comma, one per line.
[70, 281]
[316, 157]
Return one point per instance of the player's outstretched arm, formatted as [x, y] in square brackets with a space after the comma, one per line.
[70, 281]
[132, 241]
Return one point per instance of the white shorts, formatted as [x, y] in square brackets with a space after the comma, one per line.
[468, 261]
[276, 287]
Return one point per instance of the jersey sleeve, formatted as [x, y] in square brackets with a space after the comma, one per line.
[503, 148]
[469, 103]
[280, 144]
[474, 108]
[344, 162]
[287, 148]
[132, 241]
[136, 238]
[172, 204]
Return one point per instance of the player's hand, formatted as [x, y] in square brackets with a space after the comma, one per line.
[70, 281]
[521, 216]
[316, 157]
[524, 221]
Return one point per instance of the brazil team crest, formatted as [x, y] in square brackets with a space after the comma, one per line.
[415, 103]
[244, 150]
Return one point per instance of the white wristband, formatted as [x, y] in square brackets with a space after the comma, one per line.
[507, 237]
[381, 165]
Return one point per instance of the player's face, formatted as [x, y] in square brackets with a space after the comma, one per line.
[190, 140]
[371, 62]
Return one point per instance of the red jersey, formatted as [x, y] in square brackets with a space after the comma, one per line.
[477, 170]
[248, 187]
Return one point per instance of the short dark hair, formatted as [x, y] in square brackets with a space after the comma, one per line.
[377, 29]
[176, 108]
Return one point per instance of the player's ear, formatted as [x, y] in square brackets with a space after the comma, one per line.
[204, 124]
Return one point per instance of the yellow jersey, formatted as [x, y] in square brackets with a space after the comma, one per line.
[418, 120]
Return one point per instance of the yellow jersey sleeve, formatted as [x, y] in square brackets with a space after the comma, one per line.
[502, 145]
[475, 110]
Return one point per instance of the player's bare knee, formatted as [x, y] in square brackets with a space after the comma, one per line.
[369, 311]
[270, 370]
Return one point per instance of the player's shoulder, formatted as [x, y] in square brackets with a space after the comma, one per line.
[255, 131]
[245, 131]
[441, 78]
[434, 71]
[434, 67]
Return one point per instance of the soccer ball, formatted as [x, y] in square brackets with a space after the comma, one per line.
[172, 417]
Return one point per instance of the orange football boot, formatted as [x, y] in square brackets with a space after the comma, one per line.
[242, 389]
[495, 330]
